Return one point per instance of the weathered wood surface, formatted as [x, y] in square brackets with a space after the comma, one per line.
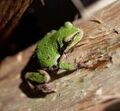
[83, 90]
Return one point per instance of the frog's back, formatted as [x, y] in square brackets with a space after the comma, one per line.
[46, 51]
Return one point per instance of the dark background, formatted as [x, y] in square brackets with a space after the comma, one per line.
[39, 19]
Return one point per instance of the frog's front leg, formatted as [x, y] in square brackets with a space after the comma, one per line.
[39, 81]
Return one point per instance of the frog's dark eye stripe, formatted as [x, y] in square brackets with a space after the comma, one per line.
[71, 37]
[58, 46]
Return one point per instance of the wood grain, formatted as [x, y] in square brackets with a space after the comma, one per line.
[11, 12]
[86, 89]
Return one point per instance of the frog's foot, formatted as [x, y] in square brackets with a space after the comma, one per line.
[45, 88]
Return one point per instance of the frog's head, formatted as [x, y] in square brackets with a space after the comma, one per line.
[72, 35]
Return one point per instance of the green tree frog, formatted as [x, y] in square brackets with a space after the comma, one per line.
[49, 51]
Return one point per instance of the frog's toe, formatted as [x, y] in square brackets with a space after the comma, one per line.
[45, 88]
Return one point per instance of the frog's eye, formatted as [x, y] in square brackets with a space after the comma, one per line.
[68, 24]
[71, 37]
[68, 39]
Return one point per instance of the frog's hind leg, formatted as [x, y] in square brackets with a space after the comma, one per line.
[38, 81]
[39, 77]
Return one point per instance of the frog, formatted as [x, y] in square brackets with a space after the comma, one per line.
[48, 53]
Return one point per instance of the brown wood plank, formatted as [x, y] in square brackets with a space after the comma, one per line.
[83, 90]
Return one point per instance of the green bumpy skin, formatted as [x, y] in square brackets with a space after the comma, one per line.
[47, 50]
[66, 66]
[36, 77]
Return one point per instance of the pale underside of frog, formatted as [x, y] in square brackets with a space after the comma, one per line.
[49, 51]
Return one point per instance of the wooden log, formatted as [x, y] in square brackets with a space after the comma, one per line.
[11, 12]
[92, 88]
